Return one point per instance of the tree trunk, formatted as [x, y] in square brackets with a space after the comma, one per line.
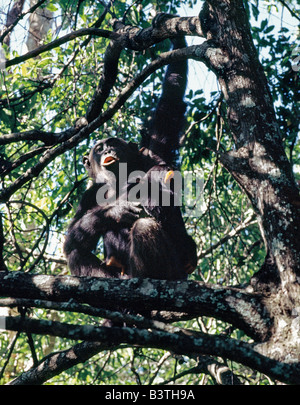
[11, 19]
[259, 164]
[40, 23]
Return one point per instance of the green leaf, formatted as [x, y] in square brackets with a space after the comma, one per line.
[51, 7]
[263, 24]
[269, 29]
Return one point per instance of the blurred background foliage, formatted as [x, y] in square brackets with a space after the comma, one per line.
[52, 91]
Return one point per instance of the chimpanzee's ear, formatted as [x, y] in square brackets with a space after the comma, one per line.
[86, 162]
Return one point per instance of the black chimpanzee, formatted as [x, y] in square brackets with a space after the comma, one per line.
[145, 239]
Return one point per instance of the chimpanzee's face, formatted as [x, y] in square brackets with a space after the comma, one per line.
[107, 154]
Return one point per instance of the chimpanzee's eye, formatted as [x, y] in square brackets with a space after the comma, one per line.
[99, 148]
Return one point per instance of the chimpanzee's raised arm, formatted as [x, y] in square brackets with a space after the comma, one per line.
[161, 135]
[145, 239]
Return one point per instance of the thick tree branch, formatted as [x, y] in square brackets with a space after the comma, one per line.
[108, 78]
[127, 36]
[115, 316]
[163, 26]
[49, 138]
[56, 363]
[180, 343]
[243, 310]
[60, 41]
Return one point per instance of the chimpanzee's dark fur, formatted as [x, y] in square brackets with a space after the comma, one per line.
[145, 239]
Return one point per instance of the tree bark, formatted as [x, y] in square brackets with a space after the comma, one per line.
[259, 163]
[56, 363]
[12, 18]
[180, 343]
[40, 22]
[243, 310]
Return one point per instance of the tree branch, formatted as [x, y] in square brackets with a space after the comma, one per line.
[180, 343]
[72, 306]
[49, 138]
[243, 310]
[56, 363]
[163, 26]
[231, 234]
[108, 78]
[60, 41]
[293, 13]
[128, 37]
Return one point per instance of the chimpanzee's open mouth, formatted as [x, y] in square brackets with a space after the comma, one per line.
[108, 160]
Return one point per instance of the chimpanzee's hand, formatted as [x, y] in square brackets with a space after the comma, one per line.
[123, 212]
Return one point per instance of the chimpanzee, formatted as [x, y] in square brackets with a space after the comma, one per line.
[145, 238]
